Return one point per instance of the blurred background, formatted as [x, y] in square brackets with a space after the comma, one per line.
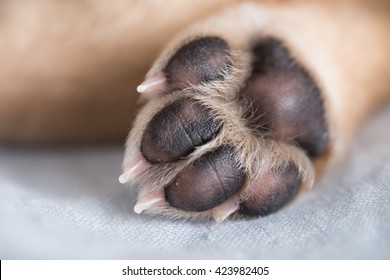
[68, 72]
[69, 68]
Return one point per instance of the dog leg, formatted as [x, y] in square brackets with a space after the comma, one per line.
[242, 108]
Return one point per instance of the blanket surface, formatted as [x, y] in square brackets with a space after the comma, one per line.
[68, 204]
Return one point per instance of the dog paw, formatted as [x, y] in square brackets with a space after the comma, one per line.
[226, 128]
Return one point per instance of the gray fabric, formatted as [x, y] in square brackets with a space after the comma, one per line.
[69, 204]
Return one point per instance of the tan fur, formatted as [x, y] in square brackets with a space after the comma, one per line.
[69, 71]
[330, 54]
[69, 68]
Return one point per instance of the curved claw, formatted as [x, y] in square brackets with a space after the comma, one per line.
[149, 201]
[154, 84]
[134, 169]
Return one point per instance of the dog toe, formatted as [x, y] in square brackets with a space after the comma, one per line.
[207, 182]
[201, 60]
[177, 130]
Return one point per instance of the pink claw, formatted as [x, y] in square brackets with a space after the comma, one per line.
[134, 169]
[223, 211]
[149, 201]
[155, 84]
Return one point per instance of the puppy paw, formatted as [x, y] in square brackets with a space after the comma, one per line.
[230, 125]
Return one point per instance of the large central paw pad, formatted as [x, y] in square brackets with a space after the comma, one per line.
[225, 131]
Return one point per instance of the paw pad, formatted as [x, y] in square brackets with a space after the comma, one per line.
[205, 153]
[207, 182]
[177, 130]
[271, 191]
[201, 60]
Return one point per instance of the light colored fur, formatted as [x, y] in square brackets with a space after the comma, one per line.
[347, 57]
[69, 69]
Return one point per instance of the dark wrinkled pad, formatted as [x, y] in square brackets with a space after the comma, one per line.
[177, 129]
[207, 182]
[202, 60]
[286, 99]
[272, 190]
